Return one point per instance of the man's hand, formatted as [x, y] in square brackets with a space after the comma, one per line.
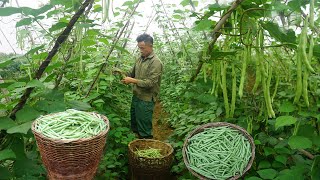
[128, 80]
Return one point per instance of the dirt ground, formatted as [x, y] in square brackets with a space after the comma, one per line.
[161, 130]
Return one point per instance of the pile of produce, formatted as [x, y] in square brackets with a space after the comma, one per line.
[70, 124]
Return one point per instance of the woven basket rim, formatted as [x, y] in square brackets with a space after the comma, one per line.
[64, 141]
[218, 124]
[151, 140]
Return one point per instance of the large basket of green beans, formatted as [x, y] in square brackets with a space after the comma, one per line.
[71, 143]
[218, 151]
[150, 159]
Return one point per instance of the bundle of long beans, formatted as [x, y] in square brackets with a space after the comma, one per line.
[70, 124]
[218, 153]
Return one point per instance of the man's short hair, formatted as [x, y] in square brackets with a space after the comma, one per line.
[146, 38]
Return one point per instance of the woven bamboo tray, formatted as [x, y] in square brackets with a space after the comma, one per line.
[71, 160]
[218, 124]
[148, 167]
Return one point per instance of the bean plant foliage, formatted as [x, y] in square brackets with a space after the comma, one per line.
[251, 63]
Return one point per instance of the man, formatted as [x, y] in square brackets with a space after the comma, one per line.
[145, 77]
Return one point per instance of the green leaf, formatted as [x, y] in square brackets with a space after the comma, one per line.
[315, 168]
[264, 164]
[7, 11]
[205, 24]
[278, 34]
[79, 105]
[88, 42]
[281, 158]
[50, 106]
[5, 174]
[58, 26]
[23, 22]
[286, 107]
[299, 142]
[23, 128]
[7, 154]
[253, 178]
[268, 151]
[27, 114]
[185, 3]
[24, 167]
[267, 173]
[35, 49]
[285, 121]
[35, 83]
[43, 9]
[128, 3]
[6, 123]
[6, 63]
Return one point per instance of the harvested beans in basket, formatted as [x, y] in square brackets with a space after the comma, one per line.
[70, 125]
[218, 152]
[149, 153]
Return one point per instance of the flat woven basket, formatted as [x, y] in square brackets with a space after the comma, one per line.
[144, 165]
[218, 124]
[71, 160]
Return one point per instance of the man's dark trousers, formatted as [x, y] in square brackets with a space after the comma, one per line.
[141, 117]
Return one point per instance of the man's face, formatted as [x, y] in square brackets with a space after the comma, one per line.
[145, 48]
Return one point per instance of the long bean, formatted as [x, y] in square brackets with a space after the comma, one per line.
[70, 125]
[218, 153]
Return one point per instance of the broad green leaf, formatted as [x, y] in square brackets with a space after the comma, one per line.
[6, 123]
[7, 154]
[88, 42]
[306, 130]
[268, 151]
[35, 49]
[23, 128]
[316, 141]
[43, 9]
[253, 178]
[27, 114]
[50, 106]
[23, 167]
[6, 63]
[176, 16]
[283, 150]
[275, 31]
[7, 11]
[285, 121]
[23, 22]
[299, 142]
[58, 26]
[79, 105]
[281, 158]
[315, 168]
[185, 3]
[286, 107]
[296, 5]
[5, 174]
[287, 176]
[267, 173]
[35, 83]
[128, 3]
[264, 164]
[205, 24]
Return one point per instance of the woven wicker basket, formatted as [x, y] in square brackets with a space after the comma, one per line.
[75, 160]
[150, 168]
[218, 124]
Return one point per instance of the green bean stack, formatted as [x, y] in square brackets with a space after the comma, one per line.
[218, 153]
[70, 125]
[149, 153]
